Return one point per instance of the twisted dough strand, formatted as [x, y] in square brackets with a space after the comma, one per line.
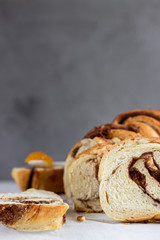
[146, 122]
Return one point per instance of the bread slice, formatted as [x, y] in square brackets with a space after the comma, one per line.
[32, 210]
[50, 179]
[77, 149]
[97, 135]
[129, 176]
[83, 178]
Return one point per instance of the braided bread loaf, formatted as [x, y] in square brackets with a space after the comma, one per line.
[129, 175]
[80, 173]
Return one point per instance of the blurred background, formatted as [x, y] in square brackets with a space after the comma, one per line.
[66, 66]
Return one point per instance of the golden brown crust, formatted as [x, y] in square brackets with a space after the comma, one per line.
[50, 179]
[145, 218]
[21, 177]
[54, 181]
[154, 113]
[97, 150]
[146, 122]
[33, 216]
[109, 131]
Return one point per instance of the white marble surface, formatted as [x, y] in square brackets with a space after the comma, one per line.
[96, 226]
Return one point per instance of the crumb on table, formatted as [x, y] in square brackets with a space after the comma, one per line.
[81, 218]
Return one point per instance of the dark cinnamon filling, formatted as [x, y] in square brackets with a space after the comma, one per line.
[64, 218]
[30, 178]
[127, 115]
[103, 130]
[37, 202]
[11, 214]
[96, 161]
[26, 201]
[96, 170]
[74, 152]
[139, 178]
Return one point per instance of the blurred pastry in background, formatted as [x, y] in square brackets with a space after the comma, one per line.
[42, 173]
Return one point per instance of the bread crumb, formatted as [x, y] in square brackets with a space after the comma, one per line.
[81, 218]
[127, 223]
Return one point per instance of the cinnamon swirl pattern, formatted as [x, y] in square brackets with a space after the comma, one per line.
[129, 176]
[143, 121]
[109, 131]
[83, 178]
[77, 149]
[108, 134]
[82, 167]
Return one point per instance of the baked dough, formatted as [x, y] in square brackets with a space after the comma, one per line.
[77, 149]
[143, 121]
[129, 176]
[32, 210]
[83, 178]
[50, 179]
[97, 135]
[109, 131]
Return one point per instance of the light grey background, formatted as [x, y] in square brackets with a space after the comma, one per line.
[66, 66]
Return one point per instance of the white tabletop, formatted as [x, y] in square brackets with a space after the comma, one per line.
[96, 226]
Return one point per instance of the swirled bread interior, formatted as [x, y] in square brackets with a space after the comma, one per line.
[83, 178]
[77, 149]
[32, 210]
[129, 177]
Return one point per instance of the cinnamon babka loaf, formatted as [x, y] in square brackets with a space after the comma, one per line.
[129, 176]
[143, 121]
